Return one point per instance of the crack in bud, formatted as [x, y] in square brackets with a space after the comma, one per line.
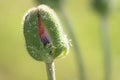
[42, 32]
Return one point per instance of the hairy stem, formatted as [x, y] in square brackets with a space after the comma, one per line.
[50, 71]
[106, 47]
[76, 48]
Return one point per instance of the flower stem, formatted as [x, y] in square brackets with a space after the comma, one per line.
[77, 52]
[106, 46]
[50, 71]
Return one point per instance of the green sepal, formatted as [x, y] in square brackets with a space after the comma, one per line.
[54, 28]
[59, 44]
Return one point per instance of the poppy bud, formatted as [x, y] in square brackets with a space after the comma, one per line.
[43, 34]
[102, 6]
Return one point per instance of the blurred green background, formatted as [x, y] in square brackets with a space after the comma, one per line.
[16, 64]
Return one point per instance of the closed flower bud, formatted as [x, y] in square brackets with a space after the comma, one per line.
[102, 6]
[43, 34]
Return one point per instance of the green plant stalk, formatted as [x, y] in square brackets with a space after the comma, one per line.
[77, 53]
[106, 46]
[50, 68]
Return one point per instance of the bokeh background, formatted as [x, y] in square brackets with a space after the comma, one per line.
[16, 64]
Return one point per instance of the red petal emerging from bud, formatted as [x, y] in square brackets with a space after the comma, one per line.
[42, 32]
